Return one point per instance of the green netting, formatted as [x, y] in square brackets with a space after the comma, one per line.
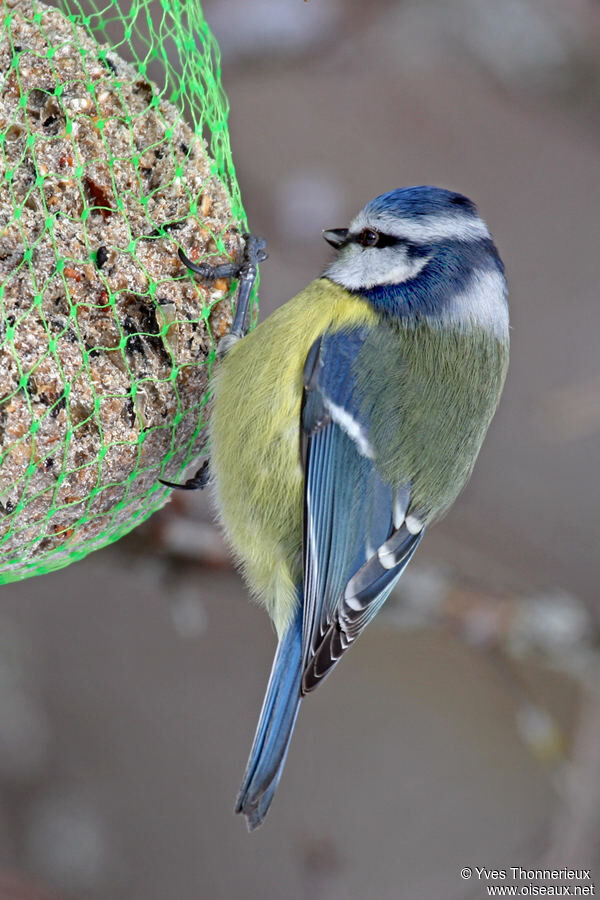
[114, 153]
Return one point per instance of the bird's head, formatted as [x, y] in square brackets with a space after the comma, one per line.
[424, 247]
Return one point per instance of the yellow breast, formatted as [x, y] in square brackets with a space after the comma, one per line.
[255, 438]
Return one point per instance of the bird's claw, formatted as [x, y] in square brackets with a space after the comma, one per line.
[197, 482]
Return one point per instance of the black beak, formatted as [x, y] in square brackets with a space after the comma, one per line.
[337, 237]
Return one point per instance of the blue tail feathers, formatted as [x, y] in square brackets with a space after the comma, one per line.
[275, 727]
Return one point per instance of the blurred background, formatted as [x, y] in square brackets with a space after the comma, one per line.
[464, 728]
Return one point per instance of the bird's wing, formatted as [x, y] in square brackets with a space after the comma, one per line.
[356, 543]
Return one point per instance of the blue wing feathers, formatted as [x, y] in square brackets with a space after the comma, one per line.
[335, 375]
[333, 539]
[351, 620]
[349, 513]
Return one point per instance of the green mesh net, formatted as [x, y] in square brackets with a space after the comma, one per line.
[114, 153]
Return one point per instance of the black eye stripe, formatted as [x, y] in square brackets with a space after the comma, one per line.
[389, 240]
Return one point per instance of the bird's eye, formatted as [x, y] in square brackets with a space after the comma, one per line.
[368, 237]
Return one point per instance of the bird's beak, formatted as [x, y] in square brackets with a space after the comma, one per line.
[337, 237]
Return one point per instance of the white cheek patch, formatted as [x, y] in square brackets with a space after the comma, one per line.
[406, 271]
[357, 268]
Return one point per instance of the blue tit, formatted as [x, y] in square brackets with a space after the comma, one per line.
[348, 422]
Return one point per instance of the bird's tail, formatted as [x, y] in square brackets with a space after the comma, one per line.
[275, 727]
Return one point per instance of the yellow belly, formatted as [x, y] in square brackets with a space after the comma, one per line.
[255, 439]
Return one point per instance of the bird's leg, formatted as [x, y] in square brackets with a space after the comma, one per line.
[246, 270]
[254, 253]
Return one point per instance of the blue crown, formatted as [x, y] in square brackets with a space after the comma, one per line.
[422, 200]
